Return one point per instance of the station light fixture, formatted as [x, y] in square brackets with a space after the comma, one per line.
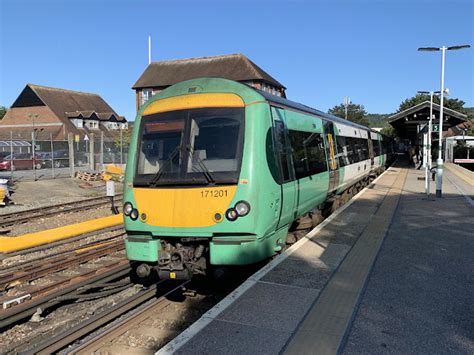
[439, 161]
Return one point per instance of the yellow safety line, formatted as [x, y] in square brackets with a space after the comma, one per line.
[326, 323]
[12, 244]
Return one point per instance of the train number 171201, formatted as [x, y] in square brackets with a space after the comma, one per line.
[213, 193]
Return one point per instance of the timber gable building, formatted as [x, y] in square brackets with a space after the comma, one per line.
[57, 112]
[160, 75]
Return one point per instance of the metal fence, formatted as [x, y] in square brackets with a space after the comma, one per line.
[42, 157]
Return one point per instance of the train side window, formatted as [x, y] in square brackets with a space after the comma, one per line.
[281, 149]
[342, 152]
[364, 148]
[272, 157]
[351, 150]
[308, 153]
[376, 145]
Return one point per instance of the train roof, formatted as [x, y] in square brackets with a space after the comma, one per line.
[300, 107]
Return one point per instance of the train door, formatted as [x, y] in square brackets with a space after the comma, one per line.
[287, 180]
[331, 153]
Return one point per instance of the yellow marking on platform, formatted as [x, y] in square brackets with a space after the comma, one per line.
[323, 329]
[194, 101]
[26, 241]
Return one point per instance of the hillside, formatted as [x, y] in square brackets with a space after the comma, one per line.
[378, 120]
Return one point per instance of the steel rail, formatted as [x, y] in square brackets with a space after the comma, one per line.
[91, 346]
[19, 217]
[41, 268]
[75, 333]
[72, 285]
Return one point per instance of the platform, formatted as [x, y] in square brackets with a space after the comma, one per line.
[391, 271]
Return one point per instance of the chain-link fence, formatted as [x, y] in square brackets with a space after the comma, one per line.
[41, 157]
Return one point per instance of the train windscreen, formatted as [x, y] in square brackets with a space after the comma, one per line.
[190, 147]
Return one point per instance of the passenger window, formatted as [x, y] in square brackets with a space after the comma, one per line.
[281, 149]
[342, 152]
[308, 153]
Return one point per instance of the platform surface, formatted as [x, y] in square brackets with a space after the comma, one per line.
[390, 272]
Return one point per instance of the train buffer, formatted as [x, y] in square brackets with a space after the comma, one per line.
[388, 272]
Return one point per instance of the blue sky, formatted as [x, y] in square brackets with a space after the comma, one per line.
[320, 50]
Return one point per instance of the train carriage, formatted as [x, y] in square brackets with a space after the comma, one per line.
[218, 172]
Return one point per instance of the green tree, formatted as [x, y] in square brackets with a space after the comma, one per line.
[126, 135]
[389, 132]
[454, 104]
[3, 111]
[355, 113]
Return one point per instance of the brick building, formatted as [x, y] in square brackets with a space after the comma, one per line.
[57, 112]
[159, 75]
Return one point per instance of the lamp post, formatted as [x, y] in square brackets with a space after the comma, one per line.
[428, 148]
[33, 142]
[347, 102]
[439, 161]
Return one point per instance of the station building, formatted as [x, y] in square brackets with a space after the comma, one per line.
[159, 75]
[57, 112]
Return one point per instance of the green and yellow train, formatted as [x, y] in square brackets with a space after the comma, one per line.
[218, 172]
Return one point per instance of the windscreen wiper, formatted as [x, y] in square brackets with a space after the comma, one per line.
[204, 170]
[168, 161]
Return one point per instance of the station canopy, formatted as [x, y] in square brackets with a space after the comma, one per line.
[408, 123]
[15, 143]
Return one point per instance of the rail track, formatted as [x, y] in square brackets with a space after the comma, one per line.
[20, 217]
[18, 307]
[35, 269]
[158, 291]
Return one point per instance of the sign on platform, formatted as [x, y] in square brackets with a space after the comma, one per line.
[77, 138]
[435, 128]
[86, 138]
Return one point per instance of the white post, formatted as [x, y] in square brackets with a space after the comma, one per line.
[11, 154]
[425, 163]
[33, 143]
[430, 130]
[425, 149]
[439, 162]
[52, 154]
[121, 145]
[149, 49]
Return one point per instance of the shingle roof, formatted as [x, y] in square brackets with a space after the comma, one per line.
[233, 66]
[61, 101]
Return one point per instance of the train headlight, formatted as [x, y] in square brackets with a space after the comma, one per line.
[127, 208]
[242, 208]
[134, 214]
[231, 214]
